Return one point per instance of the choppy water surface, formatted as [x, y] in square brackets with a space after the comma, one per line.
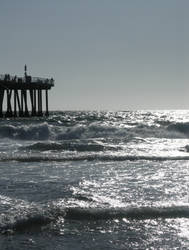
[95, 180]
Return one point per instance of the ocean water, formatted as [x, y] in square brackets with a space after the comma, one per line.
[95, 180]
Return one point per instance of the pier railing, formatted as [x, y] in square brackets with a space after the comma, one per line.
[26, 79]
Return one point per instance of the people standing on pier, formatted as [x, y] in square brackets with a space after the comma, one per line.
[25, 70]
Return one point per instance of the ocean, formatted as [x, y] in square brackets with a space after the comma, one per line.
[95, 180]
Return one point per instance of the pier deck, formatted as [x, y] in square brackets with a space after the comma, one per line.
[14, 92]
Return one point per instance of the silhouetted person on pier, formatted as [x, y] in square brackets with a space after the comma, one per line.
[52, 80]
[25, 70]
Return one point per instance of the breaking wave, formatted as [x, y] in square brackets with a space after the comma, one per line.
[180, 127]
[186, 148]
[32, 132]
[95, 130]
[46, 131]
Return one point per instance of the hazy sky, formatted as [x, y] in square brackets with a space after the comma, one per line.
[103, 54]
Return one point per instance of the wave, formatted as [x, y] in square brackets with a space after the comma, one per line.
[94, 130]
[31, 222]
[139, 213]
[166, 129]
[35, 221]
[91, 157]
[181, 127]
[70, 146]
[186, 148]
[46, 131]
[32, 132]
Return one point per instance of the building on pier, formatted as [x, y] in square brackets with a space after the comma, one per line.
[23, 96]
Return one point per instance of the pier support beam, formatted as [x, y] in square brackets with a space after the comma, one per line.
[18, 104]
[18, 100]
[21, 112]
[1, 101]
[9, 107]
[26, 113]
[34, 102]
[15, 104]
[47, 103]
[40, 111]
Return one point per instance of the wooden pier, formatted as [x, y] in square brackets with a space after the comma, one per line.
[23, 96]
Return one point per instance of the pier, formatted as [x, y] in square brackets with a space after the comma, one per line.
[24, 96]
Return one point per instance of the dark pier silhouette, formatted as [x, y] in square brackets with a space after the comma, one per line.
[23, 96]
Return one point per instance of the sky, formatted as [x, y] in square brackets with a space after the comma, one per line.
[103, 54]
